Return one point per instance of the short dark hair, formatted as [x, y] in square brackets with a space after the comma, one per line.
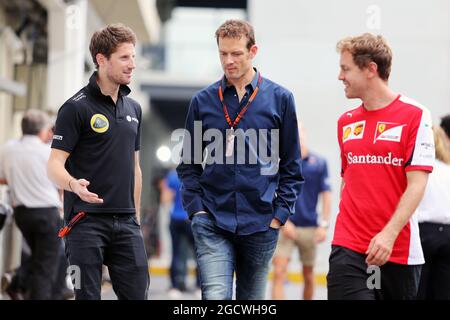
[106, 40]
[236, 29]
[34, 121]
[445, 124]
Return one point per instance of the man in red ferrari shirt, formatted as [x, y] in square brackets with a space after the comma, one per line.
[387, 152]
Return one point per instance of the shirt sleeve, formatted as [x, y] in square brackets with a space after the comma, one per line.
[420, 144]
[324, 181]
[290, 171]
[172, 181]
[67, 128]
[137, 145]
[190, 169]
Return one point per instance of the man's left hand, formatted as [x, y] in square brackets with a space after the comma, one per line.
[380, 248]
[275, 224]
[320, 234]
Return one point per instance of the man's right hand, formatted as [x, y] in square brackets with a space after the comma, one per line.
[79, 187]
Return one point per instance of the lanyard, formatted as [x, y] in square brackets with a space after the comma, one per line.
[244, 109]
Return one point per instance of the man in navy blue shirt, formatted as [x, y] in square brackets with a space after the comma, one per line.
[245, 188]
[303, 230]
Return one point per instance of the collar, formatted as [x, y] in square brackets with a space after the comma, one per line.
[253, 84]
[31, 138]
[124, 90]
[309, 156]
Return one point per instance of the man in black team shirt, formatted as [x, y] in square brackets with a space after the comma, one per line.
[95, 159]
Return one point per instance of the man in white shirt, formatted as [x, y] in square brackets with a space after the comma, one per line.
[23, 166]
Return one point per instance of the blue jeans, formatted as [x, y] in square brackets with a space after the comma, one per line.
[221, 253]
[182, 244]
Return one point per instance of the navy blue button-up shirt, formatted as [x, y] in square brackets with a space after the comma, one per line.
[243, 193]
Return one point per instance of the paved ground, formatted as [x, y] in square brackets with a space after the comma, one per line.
[159, 286]
[159, 290]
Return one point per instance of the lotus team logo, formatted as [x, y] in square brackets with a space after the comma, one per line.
[99, 123]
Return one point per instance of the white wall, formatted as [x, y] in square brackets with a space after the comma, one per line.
[297, 40]
[6, 72]
[66, 51]
[10, 238]
[191, 43]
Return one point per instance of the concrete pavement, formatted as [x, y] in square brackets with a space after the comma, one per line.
[159, 286]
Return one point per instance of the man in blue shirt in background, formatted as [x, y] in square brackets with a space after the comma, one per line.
[181, 236]
[238, 199]
[303, 230]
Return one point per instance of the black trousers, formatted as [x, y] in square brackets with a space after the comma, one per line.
[435, 279]
[350, 279]
[21, 281]
[114, 240]
[39, 227]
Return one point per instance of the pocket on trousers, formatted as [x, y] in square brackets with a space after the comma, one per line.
[135, 220]
[274, 229]
[202, 222]
[200, 216]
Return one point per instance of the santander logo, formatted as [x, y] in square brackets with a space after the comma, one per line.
[372, 159]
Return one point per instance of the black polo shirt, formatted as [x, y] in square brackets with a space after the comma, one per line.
[102, 138]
